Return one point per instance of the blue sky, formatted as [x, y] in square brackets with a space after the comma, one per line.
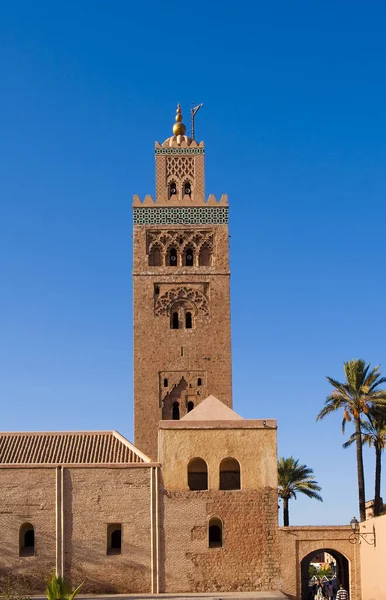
[294, 124]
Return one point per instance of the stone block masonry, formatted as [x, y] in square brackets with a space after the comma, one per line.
[248, 559]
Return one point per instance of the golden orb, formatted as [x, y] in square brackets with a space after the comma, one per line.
[179, 128]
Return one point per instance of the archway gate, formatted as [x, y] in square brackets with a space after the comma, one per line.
[298, 543]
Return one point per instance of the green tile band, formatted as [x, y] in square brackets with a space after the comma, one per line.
[211, 215]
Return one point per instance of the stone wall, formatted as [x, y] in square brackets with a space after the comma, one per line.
[249, 557]
[160, 351]
[93, 498]
[248, 560]
[27, 496]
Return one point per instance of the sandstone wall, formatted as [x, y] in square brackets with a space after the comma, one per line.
[248, 560]
[373, 560]
[93, 499]
[27, 496]
[249, 557]
[161, 352]
[250, 442]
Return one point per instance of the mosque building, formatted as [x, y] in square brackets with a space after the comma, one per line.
[192, 506]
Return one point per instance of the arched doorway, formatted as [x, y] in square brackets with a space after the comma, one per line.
[338, 572]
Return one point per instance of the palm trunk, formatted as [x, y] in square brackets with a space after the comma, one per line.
[285, 512]
[377, 496]
[361, 475]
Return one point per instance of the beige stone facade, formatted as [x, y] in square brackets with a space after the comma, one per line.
[248, 557]
[204, 517]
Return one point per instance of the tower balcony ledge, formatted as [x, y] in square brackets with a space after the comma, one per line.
[179, 141]
[186, 201]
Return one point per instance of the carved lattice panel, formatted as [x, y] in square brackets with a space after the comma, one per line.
[180, 167]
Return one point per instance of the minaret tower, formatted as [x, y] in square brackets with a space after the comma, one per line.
[182, 342]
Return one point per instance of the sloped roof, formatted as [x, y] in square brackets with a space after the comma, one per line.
[211, 409]
[68, 447]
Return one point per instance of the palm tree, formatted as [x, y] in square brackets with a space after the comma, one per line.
[295, 478]
[357, 395]
[57, 589]
[373, 431]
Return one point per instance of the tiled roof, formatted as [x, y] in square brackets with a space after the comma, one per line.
[68, 447]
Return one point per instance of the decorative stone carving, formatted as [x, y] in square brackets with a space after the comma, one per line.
[180, 238]
[180, 294]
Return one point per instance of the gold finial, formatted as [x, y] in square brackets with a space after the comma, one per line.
[179, 128]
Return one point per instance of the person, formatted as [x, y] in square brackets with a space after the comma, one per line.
[319, 591]
[330, 590]
[342, 594]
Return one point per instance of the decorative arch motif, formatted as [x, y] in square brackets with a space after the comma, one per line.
[194, 297]
[181, 239]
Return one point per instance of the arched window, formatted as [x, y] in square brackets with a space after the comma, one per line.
[229, 474]
[204, 257]
[175, 321]
[166, 383]
[27, 540]
[190, 405]
[215, 533]
[172, 189]
[187, 188]
[156, 290]
[114, 538]
[188, 320]
[197, 474]
[188, 257]
[175, 411]
[199, 381]
[155, 258]
[172, 257]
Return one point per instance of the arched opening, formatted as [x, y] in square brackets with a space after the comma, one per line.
[27, 540]
[176, 411]
[172, 189]
[197, 474]
[187, 188]
[166, 383]
[190, 406]
[321, 567]
[172, 257]
[188, 257]
[215, 533]
[173, 394]
[114, 538]
[199, 381]
[229, 474]
[204, 257]
[188, 320]
[155, 258]
[175, 321]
